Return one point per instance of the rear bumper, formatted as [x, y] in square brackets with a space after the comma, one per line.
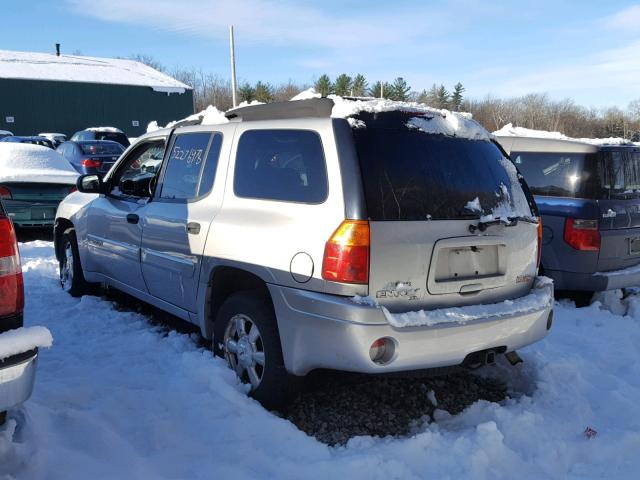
[596, 282]
[17, 376]
[327, 331]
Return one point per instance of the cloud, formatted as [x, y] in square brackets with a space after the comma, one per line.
[276, 22]
[627, 19]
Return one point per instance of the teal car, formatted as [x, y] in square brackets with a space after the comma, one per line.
[33, 181]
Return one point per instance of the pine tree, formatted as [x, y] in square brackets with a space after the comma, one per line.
[246, 92]
[323, 85]
[442, 97]
[263, 92]
[359, 86]
[379, 90]
[456, 97]
[399, 90]
[342, 85]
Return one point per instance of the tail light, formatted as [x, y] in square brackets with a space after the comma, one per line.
[73, 189]
[582, 234]
[11, 283]
[346, 254]
[91, 163]
[539, 240]
[5, 193]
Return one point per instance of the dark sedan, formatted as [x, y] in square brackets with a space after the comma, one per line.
[91, 156]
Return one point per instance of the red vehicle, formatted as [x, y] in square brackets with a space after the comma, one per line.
[17, 370]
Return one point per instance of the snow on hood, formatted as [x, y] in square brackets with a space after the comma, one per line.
[23, 162]
[510, 131]
[23, 339]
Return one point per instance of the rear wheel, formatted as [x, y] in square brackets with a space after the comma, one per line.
[71, 276]
[246, 336]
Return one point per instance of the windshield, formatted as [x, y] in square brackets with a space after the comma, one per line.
[412, 175]
[101, 148]
[619, 173]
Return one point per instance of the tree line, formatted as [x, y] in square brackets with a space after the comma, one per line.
[536, 110]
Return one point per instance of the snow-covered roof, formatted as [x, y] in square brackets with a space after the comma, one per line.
[72, 68]
[23, 162]
[510, 131]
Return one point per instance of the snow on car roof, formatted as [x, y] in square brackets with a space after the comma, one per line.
[23, 162]
[510, 131]
[430, 120]
[72, 68]
[104, 129]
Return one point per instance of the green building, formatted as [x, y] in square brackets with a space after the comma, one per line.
[42, 92]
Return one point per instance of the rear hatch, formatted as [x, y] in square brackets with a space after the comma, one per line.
[33, 201]
[427, 195]
[617, 188]
[104, 154]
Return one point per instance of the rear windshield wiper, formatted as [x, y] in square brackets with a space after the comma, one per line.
[509, 222]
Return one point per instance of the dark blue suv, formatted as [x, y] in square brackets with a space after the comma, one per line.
[589, 197]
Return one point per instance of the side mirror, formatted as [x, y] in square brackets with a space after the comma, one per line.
[90, 184]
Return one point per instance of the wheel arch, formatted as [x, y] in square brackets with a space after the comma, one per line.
[224, 281]
[60, 226]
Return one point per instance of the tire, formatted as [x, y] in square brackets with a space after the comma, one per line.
[244, 349]
[71, 277]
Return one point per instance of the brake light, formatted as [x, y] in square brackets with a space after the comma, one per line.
[90, 163]
[73, 189]
[346, 254]
[582, 234]
[539, 240]
[11, 282]
[5, 193]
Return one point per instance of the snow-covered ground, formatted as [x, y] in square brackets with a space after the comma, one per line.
[118, 398]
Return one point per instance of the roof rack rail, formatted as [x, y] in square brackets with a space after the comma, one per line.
[314, 107]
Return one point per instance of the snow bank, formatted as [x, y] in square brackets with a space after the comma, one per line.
[73, 68]
[23, 339]
[23, 162]
[510, 131]
[541, 296]
[307, 94]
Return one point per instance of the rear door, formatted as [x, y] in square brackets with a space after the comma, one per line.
[424, 195]
[618, 190]
[176, 223]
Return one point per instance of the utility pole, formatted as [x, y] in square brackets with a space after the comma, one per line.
[233, 67]
[381, 89]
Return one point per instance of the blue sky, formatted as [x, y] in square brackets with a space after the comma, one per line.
[587, 50]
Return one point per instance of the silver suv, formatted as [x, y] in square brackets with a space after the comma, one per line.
[365, 236]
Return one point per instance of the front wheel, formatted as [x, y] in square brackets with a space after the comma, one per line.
[71, 277]
[246, 336]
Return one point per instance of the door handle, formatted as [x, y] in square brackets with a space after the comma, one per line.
[193, 228]
[133, 218]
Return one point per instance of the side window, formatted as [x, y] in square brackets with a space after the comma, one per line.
[285, 165]
[210, 166]
[136, 174]
[184, 164]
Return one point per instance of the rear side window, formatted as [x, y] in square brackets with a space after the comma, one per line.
[284, 165]
[412, 175]
[184, 164]
[554, 174]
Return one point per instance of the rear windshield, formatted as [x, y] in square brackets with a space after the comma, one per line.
[121, 138]
[99, 148]
[555, 174]
[611, 173]
[618, 174]
[412, 175]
